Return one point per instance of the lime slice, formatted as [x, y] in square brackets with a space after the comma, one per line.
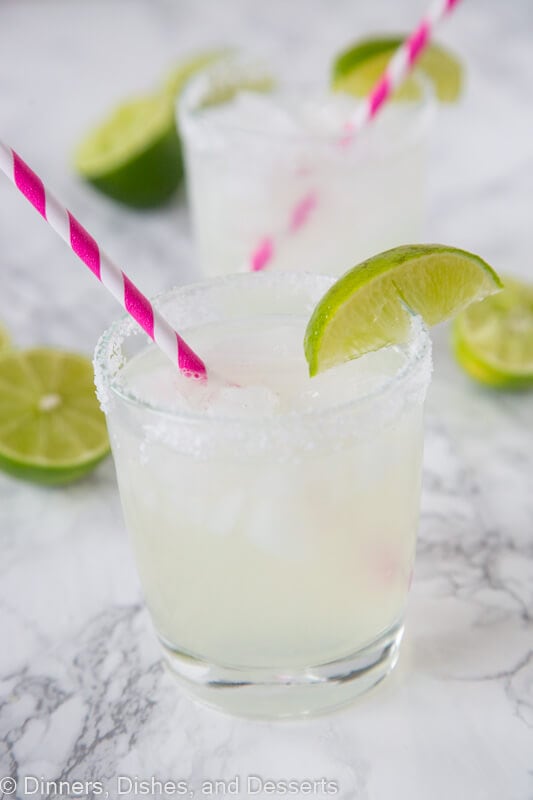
[357, 69]
[493, 340]
[371, 305]
[51, 428]
[135, 155]
[178, 77]
[5, 341]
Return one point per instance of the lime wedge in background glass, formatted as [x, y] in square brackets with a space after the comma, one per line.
[369, 307]
[135, 155]
[357, 69]
[493, 340]
[178, 77]
[51, 428]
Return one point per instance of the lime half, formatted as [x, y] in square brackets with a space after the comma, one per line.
[135, 155]
[493, 340]
[51, 428]
[371, 305]
[357, 69]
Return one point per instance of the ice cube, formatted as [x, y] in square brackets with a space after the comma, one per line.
[289, 515]
[243, 401]
[325, 115]
[221, 517]
[266, 112]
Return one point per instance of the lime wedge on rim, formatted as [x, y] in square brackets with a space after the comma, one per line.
[493, 340]
[357, 69]
[371, 305]
[52, 430]
[135, 155]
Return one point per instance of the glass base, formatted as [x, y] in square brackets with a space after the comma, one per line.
[265, 693]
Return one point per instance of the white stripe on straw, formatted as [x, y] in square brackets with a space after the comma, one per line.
[113, 278]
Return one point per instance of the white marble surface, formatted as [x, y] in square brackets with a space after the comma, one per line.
[83, 693]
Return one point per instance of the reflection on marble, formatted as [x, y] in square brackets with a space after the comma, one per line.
[83, 694]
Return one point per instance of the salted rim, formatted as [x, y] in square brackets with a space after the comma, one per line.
[417, 349]
[190, 117]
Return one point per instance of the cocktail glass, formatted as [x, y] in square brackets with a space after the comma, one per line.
[249, 163]
[274, 531]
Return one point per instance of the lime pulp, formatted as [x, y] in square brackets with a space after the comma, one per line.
[493, 340]
[52, 430]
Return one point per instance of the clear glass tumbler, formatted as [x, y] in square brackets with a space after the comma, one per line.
[250, 163]
[275, 550]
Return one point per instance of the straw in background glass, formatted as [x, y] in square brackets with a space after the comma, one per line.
[395, 73]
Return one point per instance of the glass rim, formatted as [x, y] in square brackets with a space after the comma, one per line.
[417, 350]
[187, 106]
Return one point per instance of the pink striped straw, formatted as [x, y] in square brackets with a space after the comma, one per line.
[113, 278]
[395, 73]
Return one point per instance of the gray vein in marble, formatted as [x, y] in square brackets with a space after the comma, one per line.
[83, 692]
